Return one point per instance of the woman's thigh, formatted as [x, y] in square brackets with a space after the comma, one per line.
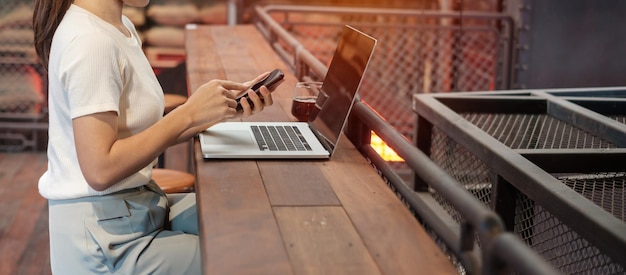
[122, 234]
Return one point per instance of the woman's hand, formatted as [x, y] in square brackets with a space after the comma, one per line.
[215, 102]
[259, 102]
[211, 103]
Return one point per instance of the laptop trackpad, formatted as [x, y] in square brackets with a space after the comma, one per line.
[225, 139]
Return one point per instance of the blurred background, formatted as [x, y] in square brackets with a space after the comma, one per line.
[425, 47]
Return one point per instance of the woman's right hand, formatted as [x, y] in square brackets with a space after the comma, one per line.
[211, 103]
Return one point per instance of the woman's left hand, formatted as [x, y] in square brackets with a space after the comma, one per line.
[259, 101]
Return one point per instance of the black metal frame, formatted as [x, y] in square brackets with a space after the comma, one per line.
[597, 111]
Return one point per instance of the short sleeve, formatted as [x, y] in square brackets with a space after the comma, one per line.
[92, 73]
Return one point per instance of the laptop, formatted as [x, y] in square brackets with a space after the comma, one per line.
[315, 139]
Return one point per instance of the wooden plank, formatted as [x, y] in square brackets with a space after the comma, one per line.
[322, 240]
[237, 220]
[238, 49]
[25, 207]
[36, 256]
[203, 64]
[10, 164]
[393, 236]
[296, 183]
[12, 188]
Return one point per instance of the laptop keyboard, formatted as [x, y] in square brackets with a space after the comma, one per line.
[280, 138]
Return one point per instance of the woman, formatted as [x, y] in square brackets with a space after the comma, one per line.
[106, 130]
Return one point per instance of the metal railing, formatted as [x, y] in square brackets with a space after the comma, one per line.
[477, 244]
[419, 51]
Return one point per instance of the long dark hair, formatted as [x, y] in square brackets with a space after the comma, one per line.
[47, 16]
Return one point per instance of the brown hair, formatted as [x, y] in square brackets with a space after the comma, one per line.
[47, 16]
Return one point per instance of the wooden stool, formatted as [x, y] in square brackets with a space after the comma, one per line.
[172, 181]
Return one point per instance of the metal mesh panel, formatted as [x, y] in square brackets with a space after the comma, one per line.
[415, 54]
[556, 242]
[20, 90]
[604, 189]
[463, 166]
[23, 93]
[20, 81]
[535, 131]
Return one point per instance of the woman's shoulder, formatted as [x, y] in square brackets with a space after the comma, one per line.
[82, 34]
[76, 24]
[80, 23]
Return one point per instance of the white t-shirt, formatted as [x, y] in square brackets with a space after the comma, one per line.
[95, 68]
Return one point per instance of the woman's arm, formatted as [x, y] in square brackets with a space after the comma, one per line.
[105, 160]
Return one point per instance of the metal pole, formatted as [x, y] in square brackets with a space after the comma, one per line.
[231, 12]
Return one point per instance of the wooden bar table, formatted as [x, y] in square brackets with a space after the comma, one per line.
[294, 216]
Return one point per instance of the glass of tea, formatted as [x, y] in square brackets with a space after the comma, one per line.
[304, 97]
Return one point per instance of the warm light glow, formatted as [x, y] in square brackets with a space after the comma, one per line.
[383, 149]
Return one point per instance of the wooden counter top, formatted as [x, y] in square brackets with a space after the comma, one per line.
[295, 216]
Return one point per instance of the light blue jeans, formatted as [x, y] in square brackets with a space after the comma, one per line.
[136, 231]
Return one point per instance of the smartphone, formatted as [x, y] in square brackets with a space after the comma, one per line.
[271, 81]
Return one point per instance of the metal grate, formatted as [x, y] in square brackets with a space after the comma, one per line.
[22, 82]
[604, 189]
[538, 131]
[556, 242]
[417, 53]
[463, 166]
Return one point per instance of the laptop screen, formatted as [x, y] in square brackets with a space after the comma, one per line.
[341, 83]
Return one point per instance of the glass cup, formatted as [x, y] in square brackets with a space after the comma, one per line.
[304, 97]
